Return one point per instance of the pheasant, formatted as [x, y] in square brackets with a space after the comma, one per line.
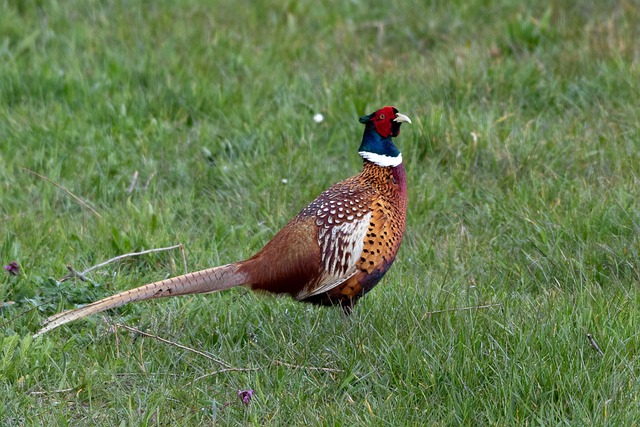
[332, 253]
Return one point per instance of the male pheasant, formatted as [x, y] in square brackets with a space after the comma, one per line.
[332, 253]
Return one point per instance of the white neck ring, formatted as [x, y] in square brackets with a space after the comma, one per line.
[381, 159]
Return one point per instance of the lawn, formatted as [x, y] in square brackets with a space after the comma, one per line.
[130, 126]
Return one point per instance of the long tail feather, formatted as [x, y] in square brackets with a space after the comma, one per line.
[210, 280]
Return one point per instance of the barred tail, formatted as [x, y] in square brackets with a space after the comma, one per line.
[210, 280]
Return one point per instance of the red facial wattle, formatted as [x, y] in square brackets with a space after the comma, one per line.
[383, 121]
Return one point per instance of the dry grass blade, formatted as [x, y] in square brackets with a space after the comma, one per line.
[76, 198]
[306, 368]
[474, 307]
[172, 343]
[82, 274]
[594, 344]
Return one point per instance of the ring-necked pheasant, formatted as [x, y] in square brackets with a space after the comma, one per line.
[333, 252]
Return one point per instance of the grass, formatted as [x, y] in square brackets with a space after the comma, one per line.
[524, 195]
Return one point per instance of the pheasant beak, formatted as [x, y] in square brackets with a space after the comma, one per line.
[401, 118]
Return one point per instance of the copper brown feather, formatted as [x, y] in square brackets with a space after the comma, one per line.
[332, 253]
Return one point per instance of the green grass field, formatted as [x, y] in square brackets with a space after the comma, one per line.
[523, 231]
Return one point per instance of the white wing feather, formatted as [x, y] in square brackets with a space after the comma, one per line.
[340, 249]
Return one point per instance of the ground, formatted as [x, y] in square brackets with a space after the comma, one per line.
[523, 229]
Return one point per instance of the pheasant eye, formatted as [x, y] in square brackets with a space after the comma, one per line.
[381, 116]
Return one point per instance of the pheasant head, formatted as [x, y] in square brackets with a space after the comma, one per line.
[377, 145]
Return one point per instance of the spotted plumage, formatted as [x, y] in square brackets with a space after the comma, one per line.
[332, 253]
[382, 206]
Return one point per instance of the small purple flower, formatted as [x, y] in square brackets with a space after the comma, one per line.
[13, 268]
[245, 395]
